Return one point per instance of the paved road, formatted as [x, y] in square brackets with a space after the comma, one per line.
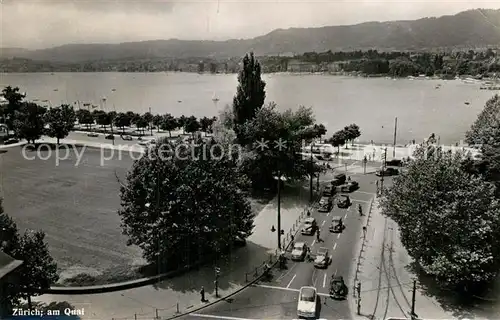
[277, 299]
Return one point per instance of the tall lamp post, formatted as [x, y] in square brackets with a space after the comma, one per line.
[280, 179]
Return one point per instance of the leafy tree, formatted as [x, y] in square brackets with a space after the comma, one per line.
[141, 123]
[29, 122]
[205, 124]
[38, 271]
[85, 117]
[122, 120]
[157, 119]
[61, 121]
[338, 139]
[178, 210]
[168, 123]
[250, 94]
[15, 102]
[133, 116]
[292, 129]
[352, 132]
[449, 220]
[148, 116]
[191, 125]
[181, 121]
[483, 127]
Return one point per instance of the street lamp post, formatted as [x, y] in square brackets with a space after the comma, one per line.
[279, 178]
[311, 176]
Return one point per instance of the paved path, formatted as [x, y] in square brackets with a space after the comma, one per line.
[386, 282]
[277, 299]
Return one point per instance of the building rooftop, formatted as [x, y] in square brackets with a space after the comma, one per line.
[8, 264]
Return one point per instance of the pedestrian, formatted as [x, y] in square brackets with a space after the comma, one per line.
[292, 238]
[317, 236]
[308, 213]
[202, 293]
[349, 178]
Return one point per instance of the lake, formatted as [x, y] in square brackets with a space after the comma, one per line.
[372, 103]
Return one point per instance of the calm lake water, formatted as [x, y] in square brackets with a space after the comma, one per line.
[337, 101]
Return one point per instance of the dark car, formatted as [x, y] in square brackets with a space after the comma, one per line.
[325, 204]
[387, 172]
[329, 191]
[344, 202]
[127, 137]
[349, 186]
[338, 288]
[11, 141]
[339, 179]
[394, 163]
[110, 137]
[337, 225]
[239, 239]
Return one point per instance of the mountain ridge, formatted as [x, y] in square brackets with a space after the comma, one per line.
[471, 28]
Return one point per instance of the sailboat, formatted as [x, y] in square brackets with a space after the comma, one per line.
[214, 98]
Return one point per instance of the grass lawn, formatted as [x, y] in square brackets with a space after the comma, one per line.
[76, 206]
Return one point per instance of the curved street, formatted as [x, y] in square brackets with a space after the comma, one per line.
[277, 298]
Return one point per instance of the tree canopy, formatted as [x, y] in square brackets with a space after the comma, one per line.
[250, 94]
[290, 129]
[29, 121]
[449, 219]
[180, 209]
[483, 128]
[39, 271]
[61, 121]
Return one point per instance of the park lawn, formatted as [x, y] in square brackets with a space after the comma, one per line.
[76, 205]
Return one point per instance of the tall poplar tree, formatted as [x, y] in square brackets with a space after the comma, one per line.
[250, 94]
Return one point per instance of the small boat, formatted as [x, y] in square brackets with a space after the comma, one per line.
[179, 101]
[56, 89]
[214, 98]
[113, 89]
[467, 103]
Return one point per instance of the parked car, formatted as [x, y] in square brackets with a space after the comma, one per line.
[299, 251]
[394, 163]
[110, 137]
[338, 179]
[127, 137]
[329, 191]
[239, 239]
[344, 202]
[92, 134]
[349, 186]
[11, 141]
[387, 172]
[307, 302]
[325, 204]
[309, 227]
[322, 259]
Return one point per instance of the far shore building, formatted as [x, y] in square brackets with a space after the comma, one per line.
[7, 267]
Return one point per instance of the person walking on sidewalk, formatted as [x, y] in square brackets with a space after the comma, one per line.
[360, 210]
[202, 293]
[317, 236]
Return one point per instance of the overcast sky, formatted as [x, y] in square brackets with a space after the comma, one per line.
[47, 23]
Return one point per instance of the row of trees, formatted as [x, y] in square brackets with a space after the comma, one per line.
[448, 210]
[183, 209]
[30, 121]
[341, 137]
[165, 122]
[38, 270]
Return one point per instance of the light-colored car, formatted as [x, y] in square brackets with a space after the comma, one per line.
[322, 259]
[307, 302]
[127, 137]
[299, 251]
[309, 227]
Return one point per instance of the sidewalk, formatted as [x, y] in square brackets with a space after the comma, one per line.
[387, 282]
[182, 293]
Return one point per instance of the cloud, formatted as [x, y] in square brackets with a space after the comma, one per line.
[46, 23]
